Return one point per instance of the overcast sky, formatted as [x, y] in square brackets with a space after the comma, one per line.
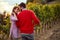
[8, 4]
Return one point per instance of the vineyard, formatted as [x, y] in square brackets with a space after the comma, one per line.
[49, 15]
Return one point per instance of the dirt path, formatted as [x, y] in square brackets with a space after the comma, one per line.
[52, 34]
[55, 35]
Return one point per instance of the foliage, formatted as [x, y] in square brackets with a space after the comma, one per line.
[5, 24]
[45, 12]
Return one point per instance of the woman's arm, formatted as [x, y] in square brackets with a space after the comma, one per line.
[13, 17]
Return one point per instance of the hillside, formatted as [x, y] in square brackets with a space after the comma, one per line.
[44, 1]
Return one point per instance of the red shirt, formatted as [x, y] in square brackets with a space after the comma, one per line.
[26, 21]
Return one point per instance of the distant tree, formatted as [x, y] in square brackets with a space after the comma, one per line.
[30, 1]
[50, 0]
[4, 14]
[40, 1]
[16, 4]
[1, 19]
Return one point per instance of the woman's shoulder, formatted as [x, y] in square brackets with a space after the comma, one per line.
[11, 16]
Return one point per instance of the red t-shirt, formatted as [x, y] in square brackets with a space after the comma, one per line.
[26, 21]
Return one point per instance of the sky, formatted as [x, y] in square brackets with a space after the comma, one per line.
[7, 5]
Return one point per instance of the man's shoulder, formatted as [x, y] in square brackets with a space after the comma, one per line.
[26, 11]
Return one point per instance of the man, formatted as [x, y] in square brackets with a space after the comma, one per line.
[26, 21]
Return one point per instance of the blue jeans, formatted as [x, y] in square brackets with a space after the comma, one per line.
[27, 36]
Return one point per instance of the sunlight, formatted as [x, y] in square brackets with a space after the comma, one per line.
[7, 5]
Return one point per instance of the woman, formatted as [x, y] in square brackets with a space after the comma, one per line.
[14, 32]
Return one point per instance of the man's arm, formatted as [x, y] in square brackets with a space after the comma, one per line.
[35, 18]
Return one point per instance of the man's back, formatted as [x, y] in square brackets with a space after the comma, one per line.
[25, 21]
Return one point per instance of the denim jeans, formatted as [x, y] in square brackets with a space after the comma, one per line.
[27, 36]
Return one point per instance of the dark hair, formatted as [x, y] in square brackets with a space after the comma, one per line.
[22, 5]
[14, 8]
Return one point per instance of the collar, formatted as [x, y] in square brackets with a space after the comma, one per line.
[24, 9]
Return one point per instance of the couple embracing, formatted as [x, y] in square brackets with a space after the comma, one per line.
[22, 23]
